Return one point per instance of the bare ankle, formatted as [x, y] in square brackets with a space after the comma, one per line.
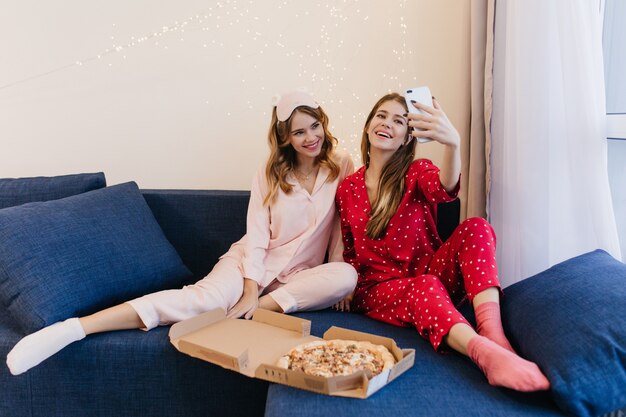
[267, 303]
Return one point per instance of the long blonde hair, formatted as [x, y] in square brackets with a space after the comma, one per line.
[283, 160]
[391, 185]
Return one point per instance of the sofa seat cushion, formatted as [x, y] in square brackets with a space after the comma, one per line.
[571, 321]
[125, 374]
[80, 254]
[437, 385]
[16, 191]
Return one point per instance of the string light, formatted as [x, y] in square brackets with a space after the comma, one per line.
[326, 64]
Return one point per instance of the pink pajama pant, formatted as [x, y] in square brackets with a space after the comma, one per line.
[309, 289]
[463, 266]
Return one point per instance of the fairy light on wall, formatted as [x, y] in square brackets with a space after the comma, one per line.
[325, 61]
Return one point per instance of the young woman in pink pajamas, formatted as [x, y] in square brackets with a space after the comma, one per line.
[291, 224]
[407, 276]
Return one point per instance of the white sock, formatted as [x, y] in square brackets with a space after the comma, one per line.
[39, 346]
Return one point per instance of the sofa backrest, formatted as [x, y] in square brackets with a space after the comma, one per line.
[202, 224]
[448, 215]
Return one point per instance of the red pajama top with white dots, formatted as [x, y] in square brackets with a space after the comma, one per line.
[409, 277]
[411, 236]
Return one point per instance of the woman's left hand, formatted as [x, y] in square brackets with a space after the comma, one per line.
[248, 303]
[435, 125]
[344, 305]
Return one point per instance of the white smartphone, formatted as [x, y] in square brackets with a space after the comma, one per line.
[421, 95]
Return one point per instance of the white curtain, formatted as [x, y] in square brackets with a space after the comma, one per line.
[550, 197]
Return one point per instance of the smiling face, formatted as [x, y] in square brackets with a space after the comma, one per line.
[387, 130]
[306, 135]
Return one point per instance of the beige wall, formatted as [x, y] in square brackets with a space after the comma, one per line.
[105, 86]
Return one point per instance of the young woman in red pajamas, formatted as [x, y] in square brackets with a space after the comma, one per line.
[407, 276]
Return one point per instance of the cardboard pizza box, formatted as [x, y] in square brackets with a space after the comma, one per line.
[252, 348]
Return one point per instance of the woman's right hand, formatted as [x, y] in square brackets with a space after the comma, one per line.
[434, 124]
[344, 305]
[249, 301]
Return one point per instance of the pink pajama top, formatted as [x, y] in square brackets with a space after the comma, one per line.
[295, 231]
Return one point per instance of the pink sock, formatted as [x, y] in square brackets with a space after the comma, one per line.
[489, 324]
[505, 368]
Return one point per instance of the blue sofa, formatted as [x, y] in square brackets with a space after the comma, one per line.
[54, 230]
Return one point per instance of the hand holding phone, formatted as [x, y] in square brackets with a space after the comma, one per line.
[421, 95]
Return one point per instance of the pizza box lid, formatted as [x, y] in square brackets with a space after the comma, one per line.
[252, 347]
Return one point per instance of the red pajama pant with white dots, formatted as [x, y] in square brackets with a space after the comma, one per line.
[462, 267]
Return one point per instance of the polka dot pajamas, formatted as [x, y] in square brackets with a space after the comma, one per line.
[409, 277]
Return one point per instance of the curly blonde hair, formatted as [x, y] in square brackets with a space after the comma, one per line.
[282, 159]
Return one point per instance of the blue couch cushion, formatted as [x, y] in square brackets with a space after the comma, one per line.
[571, 321]
[126, 373]
[16, 191]
[80, 254]
[437, 385]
